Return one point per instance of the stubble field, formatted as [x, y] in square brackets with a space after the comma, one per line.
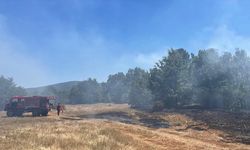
[116, 126]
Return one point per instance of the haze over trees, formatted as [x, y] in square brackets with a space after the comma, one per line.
[131, 88]
[180, 79]
[208, 79]
[8, 89]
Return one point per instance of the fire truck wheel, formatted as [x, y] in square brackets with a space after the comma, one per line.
[45, 113]
[10, 114]
[35, 113]
[19, 114]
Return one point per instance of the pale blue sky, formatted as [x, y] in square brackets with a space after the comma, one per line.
[49, 41]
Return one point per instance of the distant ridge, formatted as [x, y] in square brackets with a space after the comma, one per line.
[48, 90]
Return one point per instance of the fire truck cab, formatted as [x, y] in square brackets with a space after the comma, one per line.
[38, 105]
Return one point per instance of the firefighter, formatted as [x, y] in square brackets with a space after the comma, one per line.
[58, 108]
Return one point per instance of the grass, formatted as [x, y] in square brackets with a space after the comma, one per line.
[55, 133]
[67, 135]
[70, 132]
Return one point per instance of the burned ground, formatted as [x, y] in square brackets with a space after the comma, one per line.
[236, 125]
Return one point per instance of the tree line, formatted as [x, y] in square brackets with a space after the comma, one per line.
[207, 79]
[131, 88]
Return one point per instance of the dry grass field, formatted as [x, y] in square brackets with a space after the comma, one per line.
[116, 126]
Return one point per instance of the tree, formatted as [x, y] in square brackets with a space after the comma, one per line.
[62, 95]
[169, 79]
[240, 69]
[89, 91]
[8, 88]
[117, 88]
[207, 78]
[139, 95]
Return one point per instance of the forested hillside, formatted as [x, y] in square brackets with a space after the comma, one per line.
[208, 79]
[61, 90]
[46, 90]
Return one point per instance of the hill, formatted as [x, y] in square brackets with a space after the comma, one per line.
[49, 89]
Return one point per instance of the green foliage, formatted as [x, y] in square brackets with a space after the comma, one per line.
[211, 80]
[89, 91]
[131, 88]
[139, 95]
[8, 89]
[208, 79]
[117, 88]
[169, 79]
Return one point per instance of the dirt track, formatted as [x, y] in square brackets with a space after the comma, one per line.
[111, 126]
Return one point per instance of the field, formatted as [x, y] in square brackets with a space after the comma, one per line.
[116, 126]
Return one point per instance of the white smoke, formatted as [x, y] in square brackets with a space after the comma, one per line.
[227, 39]
[25, 69]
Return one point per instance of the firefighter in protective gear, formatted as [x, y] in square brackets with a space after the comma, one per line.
[58, 108]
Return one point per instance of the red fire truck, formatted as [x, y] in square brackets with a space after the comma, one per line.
[38, 105]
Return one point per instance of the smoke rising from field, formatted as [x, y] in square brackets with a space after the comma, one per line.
[222, 38]
[72, 54]
[94, 51]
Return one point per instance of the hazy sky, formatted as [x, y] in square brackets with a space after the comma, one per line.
[49, 41]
